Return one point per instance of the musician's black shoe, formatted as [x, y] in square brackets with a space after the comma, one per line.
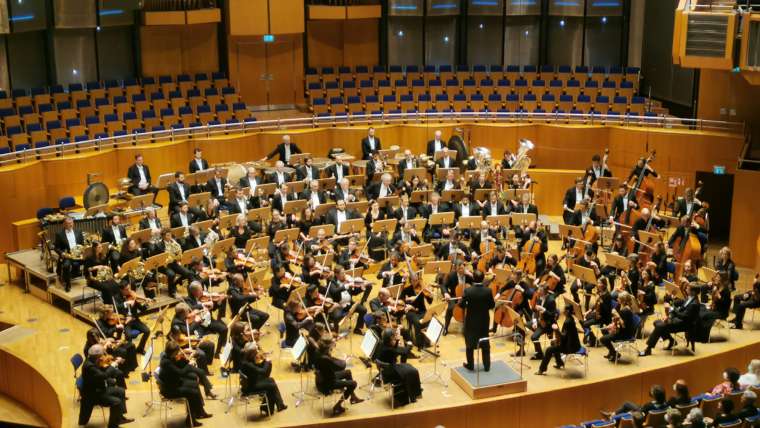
[192, 423]
[211, 396]
[540, 373]
[645, 352]
[735, 326]
[493, 329]
[356, 400]
[520, 353]
[338, 410]
[367, 363]
[607, 357]
[445, 332]
[671, 343]
[125, 420]
[205, 415]
[358, 331]
[559, 366]
[468, 366]
[537, 357]
[282, 407]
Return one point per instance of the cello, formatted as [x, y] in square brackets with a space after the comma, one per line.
[688, 247]
[501, 314]
[643, 189]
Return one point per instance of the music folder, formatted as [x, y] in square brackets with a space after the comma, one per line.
[355, 225]
[289, 234]
[256, 244]
[388, 225]
[328, 228]
[446, 218]
[293, 207]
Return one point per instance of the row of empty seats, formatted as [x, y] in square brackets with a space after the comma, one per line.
[493, 102]
[50, 117]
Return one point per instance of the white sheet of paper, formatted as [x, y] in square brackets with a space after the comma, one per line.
[226, 351]
[146, 358]
[298, 348]
[369, 343]
[434, 330]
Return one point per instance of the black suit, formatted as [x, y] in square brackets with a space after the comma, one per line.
[373, 191]
[402, 166]
[177, 379]
[570, 201]
[67, 266]
[280, 152]
[98, 389]
[681, 318]
[569, 343]
[410, 213]
[174, 195]
[367, 151]
[176, 220]
[274, 178]
[246, 182]
[214, 189]
[306, 194]
[477, 302]
[452, 163]
[277, 202]
[488, 211]
[474, 211]
[520, 209]
[332, 171]
[133, 174]
[145, 224]
[302, 171]
[193, 166]
[339, 194]
[258, 379]
[431, 147]
[681, 208]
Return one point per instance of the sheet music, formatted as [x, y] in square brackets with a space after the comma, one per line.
[369, 343]
[298, 348]
[434, 330]
[146, 358]
[225, 356]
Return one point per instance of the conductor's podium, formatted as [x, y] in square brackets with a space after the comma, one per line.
[500, 380]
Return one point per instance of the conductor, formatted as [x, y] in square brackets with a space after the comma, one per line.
[477, 301]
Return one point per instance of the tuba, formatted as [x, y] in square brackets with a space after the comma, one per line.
[522, 161]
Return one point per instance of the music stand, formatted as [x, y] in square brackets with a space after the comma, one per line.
[266, 189]
[355, 225]
[328, 228]
[576, 307]
[164, 180]
[452, 195]
[296, 186]
[470, 222]
[418, 224]
[705, 274]
[293, 207]
[141, 202]
[256, 244]
[515, 194]
[194, 253]
[439, 154]
[482, 194]
[388, 201]
[617, 261]
[198, 200]
[360, 206]
[179, 232]
[298, 351]
[221, 247]
[423, 250]
[567, 231]
[388, 153]
[649, 238]
[142, 236]
[323, 209]
[444, 219]
[384, 226]
[433, 332]
[227, 221]
[327, 183]
[204, 225]
[368, 348]
[128, 266]
[583, 273]
[260, 215]
[286, 234]
[437, 267]
[420, 196]
[607, 183]
[156, 261]
[356, 180]
[673, 289]
[298, 158]
[442, 173]
[95, 210]
[409, 173]
[498, 220]
[518, 218]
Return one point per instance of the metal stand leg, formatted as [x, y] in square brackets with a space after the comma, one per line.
[435, 375]
[152, 403]
[302, 395]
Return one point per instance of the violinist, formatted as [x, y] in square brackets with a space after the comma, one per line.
[241, 294]
[393, 354]
[130, 306]
[332, 374]
[186, 327]
[567, 342]
[297, 318]
[177, 379]
[350, 257]
[320, 245]
[525, 207]
[720, 297]
[98, 388]
[744, 301]
[622, 328]
[459, 275]
[343, 191]
[240, 231]
[233, 264]
[256, 377]
[391, 272]
[111, 348]
[384, 304]
[206, 276]
[589, 260]
[679, 318]
[417, 296]
[600, 314]
[406, 234]
[724, 263]
[312, 272]
[200, 300]
[573, 196]
[240, 334]
[112, 327]
[341, 290]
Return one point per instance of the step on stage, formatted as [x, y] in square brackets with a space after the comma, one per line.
[500, 380]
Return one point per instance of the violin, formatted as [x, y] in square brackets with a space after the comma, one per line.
[105, 360]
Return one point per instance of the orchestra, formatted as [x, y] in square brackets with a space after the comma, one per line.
[490, 273]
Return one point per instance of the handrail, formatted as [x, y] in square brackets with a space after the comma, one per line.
[208, 131]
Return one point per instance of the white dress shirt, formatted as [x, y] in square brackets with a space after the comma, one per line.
[116, 234]
[71, 237]
[143, 179]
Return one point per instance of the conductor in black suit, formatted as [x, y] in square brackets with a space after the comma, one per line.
[681, 318]
[370, 144]
[283, 150]
[139, 174]
[65, 241]
[197, 163]
[477, 302]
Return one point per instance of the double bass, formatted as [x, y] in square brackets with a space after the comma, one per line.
[513, 298]
[642, 190]
[688, 247]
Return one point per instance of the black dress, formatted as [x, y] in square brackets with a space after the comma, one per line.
[404, 377]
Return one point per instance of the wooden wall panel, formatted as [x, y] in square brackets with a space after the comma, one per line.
[286, 16]
[26, 385]
[325, 41]
[179, 49]
[744, 218]
[247, 17]
[360, 42]
[729, 90]
[561, 153]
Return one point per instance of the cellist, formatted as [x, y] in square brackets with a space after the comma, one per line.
[533, 233]
[458, 276]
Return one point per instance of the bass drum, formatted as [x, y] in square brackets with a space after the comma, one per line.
[235, 172]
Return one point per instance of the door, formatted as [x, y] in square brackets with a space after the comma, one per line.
[718, 191]
[266, 73]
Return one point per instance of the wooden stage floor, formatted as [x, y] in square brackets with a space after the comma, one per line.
[57, 335]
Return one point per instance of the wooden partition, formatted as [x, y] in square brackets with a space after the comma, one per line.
[745, 226]
[579, 401]
[347, 42]
[175, 49]
[22, 382]
[562, 152]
